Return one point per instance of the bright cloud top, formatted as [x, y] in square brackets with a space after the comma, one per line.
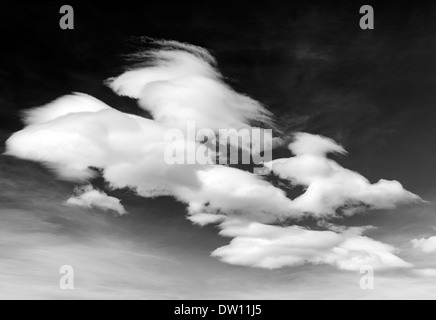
[129, 150]
[72, 139]
[80, 137]
[66, 105]
[330, 187]
[427, 245]
[179, 83]
[88, 197]
[272, 247]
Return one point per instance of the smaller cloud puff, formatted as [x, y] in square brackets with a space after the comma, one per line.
[88, 197]
[425, 245]
[306, 143]
[203, 219]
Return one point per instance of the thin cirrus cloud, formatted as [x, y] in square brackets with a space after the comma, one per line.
[179, 83]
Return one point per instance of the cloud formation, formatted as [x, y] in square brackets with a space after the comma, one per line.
[80, 137]
[179, 83]
[266, 246]
[77, 132]
[329, 186]
[429, 272]
[63, 106]
[88, 197]
[427, 245]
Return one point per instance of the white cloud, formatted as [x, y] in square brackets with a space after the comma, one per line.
[88, 197]
[306, 143]
[203, 219]
[180, 84]
[66, 105]
[272, 247]
[431, 273]
[130, 151]
[329, 186]
[78, 132]
[425, 245]
[236, 192]
[77, 135]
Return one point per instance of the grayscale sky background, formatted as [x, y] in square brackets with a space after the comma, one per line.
[310, 63]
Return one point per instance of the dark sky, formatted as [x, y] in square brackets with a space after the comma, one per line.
[309, 62]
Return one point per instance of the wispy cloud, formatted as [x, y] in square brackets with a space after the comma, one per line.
[178, 82]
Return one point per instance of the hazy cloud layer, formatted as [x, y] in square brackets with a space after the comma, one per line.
[429, 272]
[272, 247]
